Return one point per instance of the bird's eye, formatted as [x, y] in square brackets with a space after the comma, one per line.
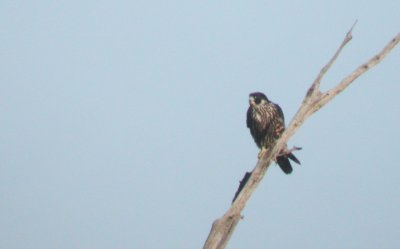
[257, 100]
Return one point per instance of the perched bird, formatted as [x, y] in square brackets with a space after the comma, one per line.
[266, 123]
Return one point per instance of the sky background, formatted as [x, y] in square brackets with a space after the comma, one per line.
[122, 123]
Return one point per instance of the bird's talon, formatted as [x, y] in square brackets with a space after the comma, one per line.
[261, 153]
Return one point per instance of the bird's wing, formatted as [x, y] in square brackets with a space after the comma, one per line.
[279, 121]
[279, 112]
[249, 119]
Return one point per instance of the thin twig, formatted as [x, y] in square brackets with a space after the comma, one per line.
[314, 89]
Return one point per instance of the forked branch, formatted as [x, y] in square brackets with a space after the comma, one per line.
[223, 228]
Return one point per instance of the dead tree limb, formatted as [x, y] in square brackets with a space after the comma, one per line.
[222, 228]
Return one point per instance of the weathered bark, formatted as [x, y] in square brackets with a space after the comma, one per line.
[222, 228]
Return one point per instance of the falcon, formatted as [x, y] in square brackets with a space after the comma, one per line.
[266, 123]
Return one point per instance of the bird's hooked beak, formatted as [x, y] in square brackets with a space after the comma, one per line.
[251, 101]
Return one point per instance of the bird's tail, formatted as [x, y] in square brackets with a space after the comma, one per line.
[284, 163]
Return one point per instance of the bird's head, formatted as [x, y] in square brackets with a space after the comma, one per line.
[257, 98]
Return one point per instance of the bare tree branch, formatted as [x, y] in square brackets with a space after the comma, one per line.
[222, 228]
[326, 97]
[315, 86]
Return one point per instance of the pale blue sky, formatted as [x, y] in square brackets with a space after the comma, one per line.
[123, 123]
